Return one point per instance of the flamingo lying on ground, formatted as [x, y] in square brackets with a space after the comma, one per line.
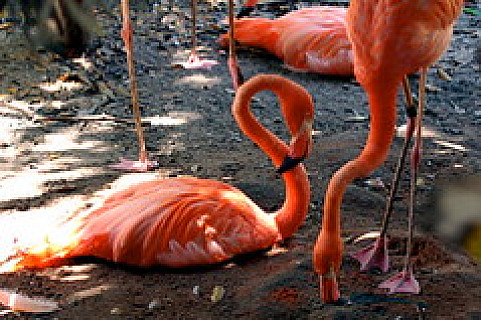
[309, 39]
[423, 29]
[188, 221]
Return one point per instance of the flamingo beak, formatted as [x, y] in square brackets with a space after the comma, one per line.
[299, 148]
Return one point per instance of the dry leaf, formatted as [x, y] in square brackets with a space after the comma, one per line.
[217, 294]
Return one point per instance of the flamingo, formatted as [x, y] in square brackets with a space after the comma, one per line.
[423, 30]
[187, 221]
[143, 164]
[309, 39]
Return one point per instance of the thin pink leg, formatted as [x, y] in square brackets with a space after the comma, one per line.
[143, 164]
[194, 61]
[404, 282]
[376, 254]
[234, 69]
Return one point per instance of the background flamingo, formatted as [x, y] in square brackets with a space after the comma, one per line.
[309, 39]
[423, 30]
[188, 221]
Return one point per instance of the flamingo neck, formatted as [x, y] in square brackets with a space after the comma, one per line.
[382, 103]
[293, 212]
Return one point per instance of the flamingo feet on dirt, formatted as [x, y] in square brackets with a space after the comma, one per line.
[195, 62]
[374, 256]
[403, 282]
[135, 166]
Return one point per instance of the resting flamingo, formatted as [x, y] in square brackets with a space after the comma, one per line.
[309, 39]
[423, 29]
[188, 221]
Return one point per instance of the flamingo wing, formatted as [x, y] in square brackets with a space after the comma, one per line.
[177, 222]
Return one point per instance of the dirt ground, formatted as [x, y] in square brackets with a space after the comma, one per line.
[49, 169]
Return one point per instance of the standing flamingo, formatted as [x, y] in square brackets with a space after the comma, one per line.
[309, 39]
[127, 35]
[188, 221]
[423, 29]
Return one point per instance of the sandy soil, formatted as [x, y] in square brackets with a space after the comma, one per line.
[50, 169]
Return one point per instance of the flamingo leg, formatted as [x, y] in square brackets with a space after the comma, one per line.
[235, 72]
[376, 254]
[194, 61]
[143, 164]
[405, 281]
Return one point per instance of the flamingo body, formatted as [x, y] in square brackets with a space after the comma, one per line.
[188, 221]
[176, 222]
[390, 38]
[309, 39]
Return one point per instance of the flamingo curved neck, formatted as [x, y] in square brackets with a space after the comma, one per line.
[382, 103]
[293, 212]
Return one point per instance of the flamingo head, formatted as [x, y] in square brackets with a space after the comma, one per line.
[327, 263]
[299, 147]
[298, 110]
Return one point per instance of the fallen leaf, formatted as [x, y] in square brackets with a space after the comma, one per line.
[217, 294]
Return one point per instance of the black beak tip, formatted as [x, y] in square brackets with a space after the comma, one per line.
[288, 164]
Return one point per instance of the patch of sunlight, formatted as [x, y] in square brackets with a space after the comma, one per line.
[59, 163]
[77, 277]
[164, 121]
[25, 228]
[67, 140]
[22, 106]
[198, 79]
[68, 273]
[179, 54]
[83, 62]
[129, 179]
[172, 119]
[57, 104]
[450, 145]
[275, 251]
[230, 265]
[78, 269]
[30, 182]
[92, 292]
[426, 132]
[60, 85]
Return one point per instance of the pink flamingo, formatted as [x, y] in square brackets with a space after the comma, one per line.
[187, 221]
[423, 29]
[309, 39]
